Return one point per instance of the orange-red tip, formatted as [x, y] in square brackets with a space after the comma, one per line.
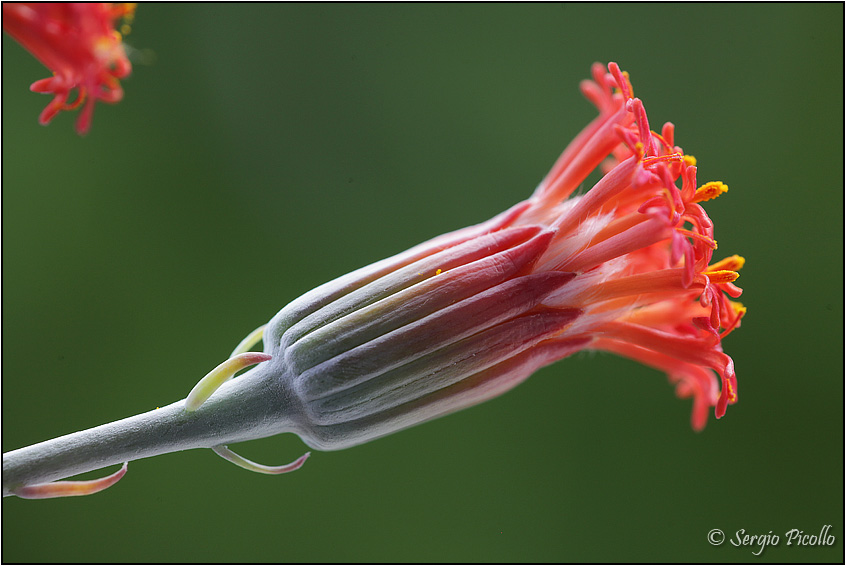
[70, 488]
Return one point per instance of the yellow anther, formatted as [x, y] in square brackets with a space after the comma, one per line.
[731, 263]
[722, 276]
[709, 191]
[738, 307]
[671, 157]
[689, 160]
[438, 272]
[732, 394]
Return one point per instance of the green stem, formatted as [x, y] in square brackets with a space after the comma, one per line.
[248, 407]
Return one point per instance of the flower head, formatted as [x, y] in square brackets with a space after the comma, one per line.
[625, 268]
[79, 43]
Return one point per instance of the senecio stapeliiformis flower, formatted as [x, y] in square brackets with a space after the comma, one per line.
[79, 43]
[625, 268]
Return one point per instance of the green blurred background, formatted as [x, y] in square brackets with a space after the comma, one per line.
[261, 150]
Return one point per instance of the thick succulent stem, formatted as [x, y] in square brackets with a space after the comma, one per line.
[248, 407]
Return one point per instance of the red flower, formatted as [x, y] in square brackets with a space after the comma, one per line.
[643, 248]
[625, 267]
[80, 44]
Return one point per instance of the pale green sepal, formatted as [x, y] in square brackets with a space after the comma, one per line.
[251, 340]
[219, 375]
[242, 462]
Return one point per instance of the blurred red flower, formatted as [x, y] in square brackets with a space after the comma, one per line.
[79, 43]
